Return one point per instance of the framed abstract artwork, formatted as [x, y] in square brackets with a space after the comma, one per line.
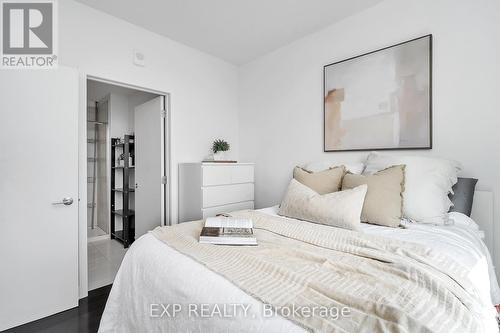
[380, 100]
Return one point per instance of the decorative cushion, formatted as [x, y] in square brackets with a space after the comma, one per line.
[428, 181]
[338, 209]
[384, 198]
[323, 182]
[463, 195]
[352, 167]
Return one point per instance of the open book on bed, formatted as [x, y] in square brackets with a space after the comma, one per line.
[228, 231]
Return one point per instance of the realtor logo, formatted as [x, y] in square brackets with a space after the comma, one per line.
[28, 30]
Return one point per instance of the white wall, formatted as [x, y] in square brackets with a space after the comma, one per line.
[119, 123]
[281, 105]
[203, 88]
[280, 94]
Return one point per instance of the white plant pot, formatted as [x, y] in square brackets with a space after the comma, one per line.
[220, 156]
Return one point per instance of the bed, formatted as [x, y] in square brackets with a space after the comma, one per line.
[155, 279]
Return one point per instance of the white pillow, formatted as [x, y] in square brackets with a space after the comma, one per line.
[353, 167]
[339, 209]
[428, 181]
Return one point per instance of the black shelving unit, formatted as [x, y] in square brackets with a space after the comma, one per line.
[125, 146]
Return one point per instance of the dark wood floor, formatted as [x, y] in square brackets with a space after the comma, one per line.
[83, 319]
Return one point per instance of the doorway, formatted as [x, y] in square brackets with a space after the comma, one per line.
[127, 164]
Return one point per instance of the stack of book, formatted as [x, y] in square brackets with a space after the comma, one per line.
[223, 230]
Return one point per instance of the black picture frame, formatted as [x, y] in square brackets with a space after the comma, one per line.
[428, 147]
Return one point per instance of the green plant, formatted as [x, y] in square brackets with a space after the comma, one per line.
[220, 145]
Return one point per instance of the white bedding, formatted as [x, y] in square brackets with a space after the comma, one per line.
[154, 273]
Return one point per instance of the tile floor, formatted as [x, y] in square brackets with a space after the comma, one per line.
[95, 232]
[104, 259]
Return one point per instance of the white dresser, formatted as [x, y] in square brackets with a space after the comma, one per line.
[207, 189]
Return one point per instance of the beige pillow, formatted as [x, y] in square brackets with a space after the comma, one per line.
[338, 209]
[384, 199]
[322, 182]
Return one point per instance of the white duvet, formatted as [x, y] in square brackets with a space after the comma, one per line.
[158, 289]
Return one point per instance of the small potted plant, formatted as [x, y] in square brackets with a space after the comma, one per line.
[219, 149]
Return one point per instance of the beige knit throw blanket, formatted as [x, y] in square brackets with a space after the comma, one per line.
[388, 285]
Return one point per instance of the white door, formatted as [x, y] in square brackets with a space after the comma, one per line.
[39, 168]
[150, 193]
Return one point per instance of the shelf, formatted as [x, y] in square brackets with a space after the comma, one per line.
[122, 144]
[127, 147]
[96, 122]
[121, 190]
[120, 212]
[118, 234]
[122, 167]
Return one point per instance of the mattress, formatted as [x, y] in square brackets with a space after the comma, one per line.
[157, 288]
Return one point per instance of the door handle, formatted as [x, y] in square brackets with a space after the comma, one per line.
[65, 201]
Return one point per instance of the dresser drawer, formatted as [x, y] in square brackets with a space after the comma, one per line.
[242, 174]
[209, 212]
[226, 194]
[227, 174]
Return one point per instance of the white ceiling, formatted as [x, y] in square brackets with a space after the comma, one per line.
[235, 30]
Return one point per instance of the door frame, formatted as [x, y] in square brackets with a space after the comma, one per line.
[82, 167]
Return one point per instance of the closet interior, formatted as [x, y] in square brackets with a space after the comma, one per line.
[112, 157]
